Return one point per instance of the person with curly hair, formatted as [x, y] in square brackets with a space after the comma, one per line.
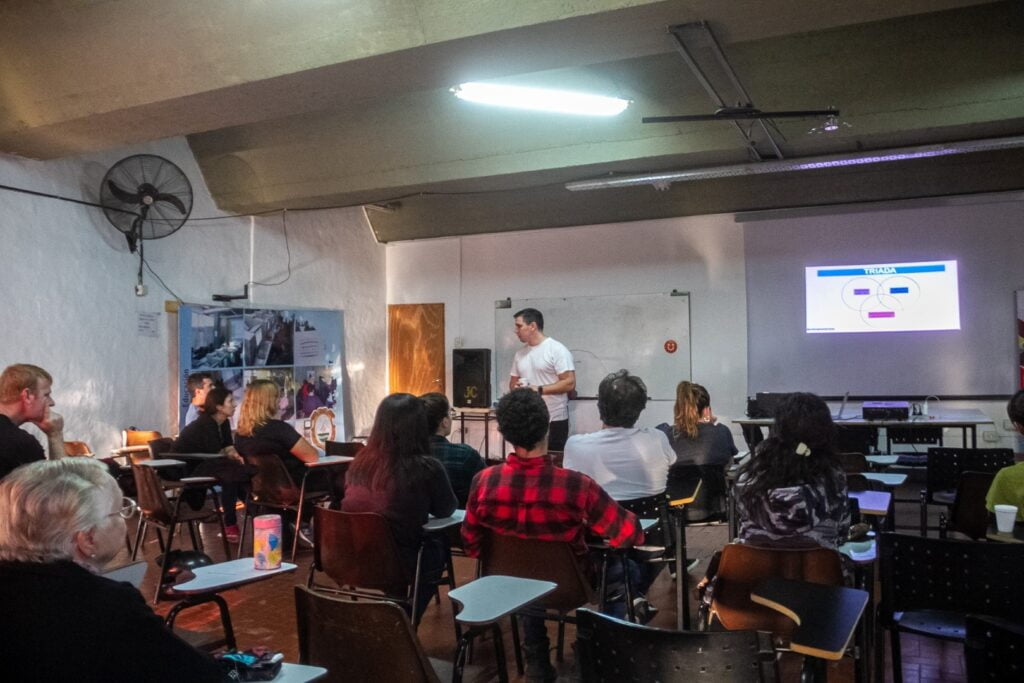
[793, 488]
[528, 497]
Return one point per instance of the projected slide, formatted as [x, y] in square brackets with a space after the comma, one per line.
[883, 297]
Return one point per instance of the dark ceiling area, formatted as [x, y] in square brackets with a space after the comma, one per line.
[342, 104]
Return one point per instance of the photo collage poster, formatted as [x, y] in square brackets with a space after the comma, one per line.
[298, 349]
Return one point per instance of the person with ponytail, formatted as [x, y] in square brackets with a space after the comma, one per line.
[695, 434]
[793, 490]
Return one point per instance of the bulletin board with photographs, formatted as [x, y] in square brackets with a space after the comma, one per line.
[299, 349]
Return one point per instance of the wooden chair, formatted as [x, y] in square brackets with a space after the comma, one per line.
[272, 487]
[358, 552]
[135, 445]
[362, 641]
[611, 650]
[544, 560]
[968, 514]
[994, 650]
[76, 449]
[742, 566]
[166, 513]
[944, 468]
[929, 585]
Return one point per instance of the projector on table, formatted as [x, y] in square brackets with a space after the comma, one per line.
[885, 410]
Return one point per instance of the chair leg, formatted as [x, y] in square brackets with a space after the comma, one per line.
[499, 653]
[246, 522]
[196, 545]
[924, 513]
[298, 519]
[163, 561]
[628, 585]
[220, 522]
[897, 663]
[139, 535]
[560, 648]
[416, 590]
[516, 646]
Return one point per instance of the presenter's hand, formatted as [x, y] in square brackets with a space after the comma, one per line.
[51, 423]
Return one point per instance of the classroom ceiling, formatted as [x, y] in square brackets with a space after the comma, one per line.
[317, 103]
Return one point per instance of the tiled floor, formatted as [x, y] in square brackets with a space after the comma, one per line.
[264, 614]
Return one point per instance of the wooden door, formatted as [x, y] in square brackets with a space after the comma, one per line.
[416, 348]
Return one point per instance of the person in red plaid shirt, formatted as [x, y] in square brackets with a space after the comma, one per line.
[529, 497]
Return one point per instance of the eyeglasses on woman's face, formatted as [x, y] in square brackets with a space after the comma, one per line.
[128, 508]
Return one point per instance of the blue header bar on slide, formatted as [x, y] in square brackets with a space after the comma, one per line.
[883, 270]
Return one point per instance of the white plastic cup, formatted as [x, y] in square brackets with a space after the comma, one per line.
[266, 542]
[1006, 516]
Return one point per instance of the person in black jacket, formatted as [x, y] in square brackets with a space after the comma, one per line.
[59, 522]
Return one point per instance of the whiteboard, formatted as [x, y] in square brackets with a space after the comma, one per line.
[647, 334]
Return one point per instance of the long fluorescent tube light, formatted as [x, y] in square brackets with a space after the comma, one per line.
[540, 99]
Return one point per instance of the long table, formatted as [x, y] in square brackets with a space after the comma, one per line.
[964, 419]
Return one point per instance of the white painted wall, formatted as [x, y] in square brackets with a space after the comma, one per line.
[702, 255]
[69, 303]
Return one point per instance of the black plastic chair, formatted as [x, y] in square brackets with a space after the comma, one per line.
[994, 650]
[613, 651]
[930, 585]
[945, 466]
[968, 515]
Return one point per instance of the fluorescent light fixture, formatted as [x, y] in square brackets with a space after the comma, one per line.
[541, 99]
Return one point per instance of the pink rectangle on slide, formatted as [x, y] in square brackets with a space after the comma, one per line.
[881, 314]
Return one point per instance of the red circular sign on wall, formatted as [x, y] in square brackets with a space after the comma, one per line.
[671, 346]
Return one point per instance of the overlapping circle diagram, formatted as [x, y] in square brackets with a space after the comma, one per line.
[879, 302]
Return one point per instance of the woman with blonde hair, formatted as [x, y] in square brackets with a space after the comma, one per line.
[695, 434]
[260, 432]
[60, 522]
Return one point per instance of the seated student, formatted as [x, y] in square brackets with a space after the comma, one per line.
[260, 432]
[25, 398]
[1008, 486]
[461, 462]
[698, 441]
[528, 497]
[198, 385]
[695, 435]
[60, 522]
[210, 432]
[395, 476]
[626, 461]
[793, 488]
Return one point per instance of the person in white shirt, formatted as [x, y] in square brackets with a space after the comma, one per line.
[198, 386]
[544, 365]
[627, 461]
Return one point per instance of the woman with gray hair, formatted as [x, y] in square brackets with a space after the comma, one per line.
[60, 521]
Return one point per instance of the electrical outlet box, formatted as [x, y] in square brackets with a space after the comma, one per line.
[459, 342]
[990, 436]
[1008, 425]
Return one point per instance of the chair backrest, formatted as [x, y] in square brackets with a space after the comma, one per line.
[946, 464]
[160, 446]
[347, 448]
[969, 515]
[743, 566]
[271, 484]
[530, 558]
[137, 437]
[77, 448]
[359, 641]
[967, 577]
[853, 463]
[994, 650]
[357, 549]
[613, 650]
[652, 507]
[151, 497]
[858, 482]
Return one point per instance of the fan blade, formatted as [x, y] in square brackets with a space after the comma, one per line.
[122, 195]
[172, 200]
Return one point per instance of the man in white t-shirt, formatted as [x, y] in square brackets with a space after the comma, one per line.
[627, 461]
[545, 366]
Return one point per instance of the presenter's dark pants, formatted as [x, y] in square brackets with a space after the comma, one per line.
[558, 433]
